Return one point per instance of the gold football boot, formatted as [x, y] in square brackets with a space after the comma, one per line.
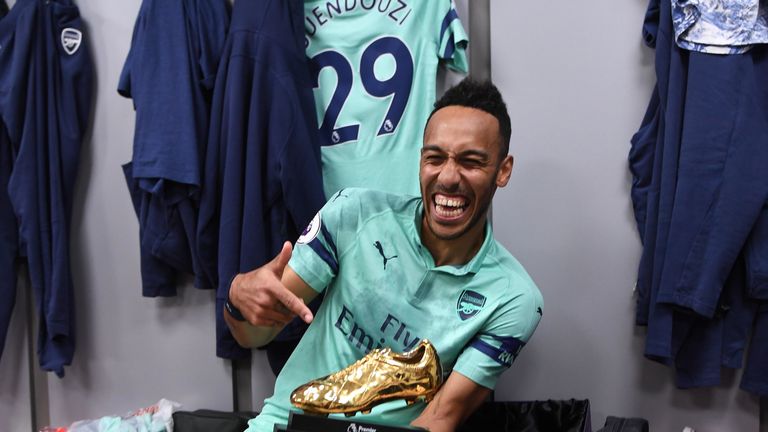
[381, 376]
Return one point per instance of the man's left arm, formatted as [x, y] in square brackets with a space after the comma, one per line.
[454, 402]
[484, 359]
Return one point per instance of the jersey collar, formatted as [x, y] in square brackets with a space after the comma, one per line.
[472, 267]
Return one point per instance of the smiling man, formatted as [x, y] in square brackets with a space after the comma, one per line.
[396, 270]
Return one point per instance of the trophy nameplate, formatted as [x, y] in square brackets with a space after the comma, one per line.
[311, 423]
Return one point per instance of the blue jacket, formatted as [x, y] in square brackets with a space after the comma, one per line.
[262, 181]
[46, 78]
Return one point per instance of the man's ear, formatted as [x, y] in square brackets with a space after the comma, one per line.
[505, 171]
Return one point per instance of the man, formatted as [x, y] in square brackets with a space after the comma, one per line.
[400, 269]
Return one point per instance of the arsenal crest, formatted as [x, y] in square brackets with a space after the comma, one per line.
[469, 304]
[71, 39]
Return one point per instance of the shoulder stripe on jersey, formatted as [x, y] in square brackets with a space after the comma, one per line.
[329, 240]
[504, 354]
[450, 47]
[449, 17]
[323, 253]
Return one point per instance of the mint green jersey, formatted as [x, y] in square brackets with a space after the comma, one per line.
[382, 289]
[374, 65]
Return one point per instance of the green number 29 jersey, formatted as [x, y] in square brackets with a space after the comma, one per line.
[374, 65]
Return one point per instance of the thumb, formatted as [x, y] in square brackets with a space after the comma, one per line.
[281, 260]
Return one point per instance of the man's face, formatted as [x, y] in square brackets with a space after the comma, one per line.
[460, 169]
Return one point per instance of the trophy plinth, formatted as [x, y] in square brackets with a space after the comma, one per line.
[309, 423]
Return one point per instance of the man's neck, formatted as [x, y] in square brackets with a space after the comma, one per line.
[458, 251]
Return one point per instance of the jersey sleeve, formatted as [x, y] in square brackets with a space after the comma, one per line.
[453, 41]
[497, 345]
[318, 250]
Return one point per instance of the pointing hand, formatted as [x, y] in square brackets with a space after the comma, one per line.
[263, 299]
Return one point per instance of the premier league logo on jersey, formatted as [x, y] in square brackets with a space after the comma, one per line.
[310, 232]
[469, 304]
[71, 39]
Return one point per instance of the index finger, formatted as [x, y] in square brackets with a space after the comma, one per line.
[294, 304]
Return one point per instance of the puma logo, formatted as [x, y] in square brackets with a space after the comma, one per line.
[383, 256]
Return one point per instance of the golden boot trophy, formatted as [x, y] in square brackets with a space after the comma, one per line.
[381, 376]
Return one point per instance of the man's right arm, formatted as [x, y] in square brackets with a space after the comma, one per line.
[268, 298]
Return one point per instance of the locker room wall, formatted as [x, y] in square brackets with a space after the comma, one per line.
[577, 80]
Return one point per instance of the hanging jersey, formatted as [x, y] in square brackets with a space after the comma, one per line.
[374, 66]
[169, 73]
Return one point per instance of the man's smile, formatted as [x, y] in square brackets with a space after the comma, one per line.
[450, 207]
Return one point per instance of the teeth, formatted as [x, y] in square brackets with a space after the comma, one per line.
[449, 207]
[448, 202]
[445, 212]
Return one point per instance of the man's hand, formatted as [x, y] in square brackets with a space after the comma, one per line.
[262, 297]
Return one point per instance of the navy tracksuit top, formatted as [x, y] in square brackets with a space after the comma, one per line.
[262, 179]
[46, 77]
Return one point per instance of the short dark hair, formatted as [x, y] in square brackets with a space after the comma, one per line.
[482, 95]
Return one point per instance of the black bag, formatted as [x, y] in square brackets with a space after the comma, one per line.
[533, 416]
[204, 420]
[308, 423]
[618, 424]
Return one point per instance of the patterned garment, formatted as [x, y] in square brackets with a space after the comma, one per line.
[720, 26]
